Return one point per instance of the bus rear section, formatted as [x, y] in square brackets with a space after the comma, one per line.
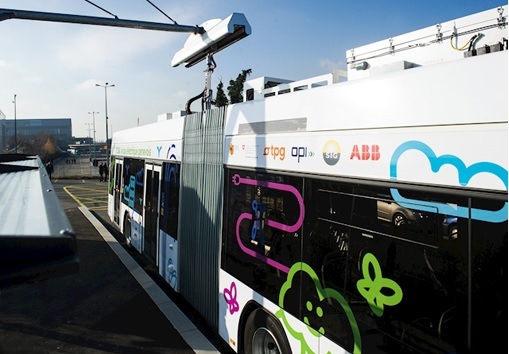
[312, 256]
[370, 216]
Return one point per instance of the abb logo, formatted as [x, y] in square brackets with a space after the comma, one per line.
[365, 152]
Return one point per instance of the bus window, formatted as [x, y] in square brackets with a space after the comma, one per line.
[361, 257]
[133, 184]
[378, 212]
[170, 189]
[489, 274]
[258, 247]
[327, 250]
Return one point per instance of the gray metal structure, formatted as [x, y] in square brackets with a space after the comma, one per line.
[36, 239]
[201, 223]
[6, 14]
[206, 40]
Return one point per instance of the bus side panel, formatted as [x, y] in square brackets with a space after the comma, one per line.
[235, 295]
[431, 155]
[357, 278]
[132, 197]
[168, 224]
[168, 259]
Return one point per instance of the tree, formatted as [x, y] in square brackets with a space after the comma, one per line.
[221, 99]
[236, 87]
[43, 144]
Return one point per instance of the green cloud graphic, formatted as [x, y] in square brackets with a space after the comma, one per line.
[323, 294]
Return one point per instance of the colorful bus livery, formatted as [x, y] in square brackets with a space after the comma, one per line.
[148, 217]
[359, 216]
[420, 155]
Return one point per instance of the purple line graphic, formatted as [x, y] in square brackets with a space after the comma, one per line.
[237, 180]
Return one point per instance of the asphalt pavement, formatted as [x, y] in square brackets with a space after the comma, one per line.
[116, 303]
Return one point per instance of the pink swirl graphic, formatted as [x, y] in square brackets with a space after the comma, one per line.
[237, 180]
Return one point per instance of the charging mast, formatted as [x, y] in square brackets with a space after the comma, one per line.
[218, 35]
[205, 40]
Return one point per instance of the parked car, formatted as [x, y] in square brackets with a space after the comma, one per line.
[397, 215]
[450, 227]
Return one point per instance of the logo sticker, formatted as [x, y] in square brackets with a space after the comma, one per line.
[331, 153]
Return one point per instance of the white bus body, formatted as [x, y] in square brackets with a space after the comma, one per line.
[421, 124]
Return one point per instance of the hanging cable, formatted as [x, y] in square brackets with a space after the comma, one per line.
[469, 43]
[91, 3]
[161, 11]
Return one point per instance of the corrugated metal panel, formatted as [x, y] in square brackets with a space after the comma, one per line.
[27, 197]
[36, 238]
[202, 191]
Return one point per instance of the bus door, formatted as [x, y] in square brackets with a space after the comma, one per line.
[116, 190]
[151, 208]
[168, 223]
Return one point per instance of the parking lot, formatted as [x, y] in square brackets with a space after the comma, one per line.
[92, 194]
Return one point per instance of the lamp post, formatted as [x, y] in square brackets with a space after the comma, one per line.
[89, 145]
[106, 115]
[93, 127]
[93, 124]
[15, 127]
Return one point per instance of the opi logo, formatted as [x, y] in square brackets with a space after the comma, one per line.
[301, 151]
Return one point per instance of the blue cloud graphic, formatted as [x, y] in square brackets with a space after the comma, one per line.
[465, 173]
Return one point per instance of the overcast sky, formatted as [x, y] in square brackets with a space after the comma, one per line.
[52, 68]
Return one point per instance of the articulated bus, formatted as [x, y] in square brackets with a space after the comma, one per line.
[359, 215]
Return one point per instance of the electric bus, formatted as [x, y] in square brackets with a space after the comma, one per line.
[315, 216]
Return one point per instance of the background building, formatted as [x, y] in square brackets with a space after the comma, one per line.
[59, 128]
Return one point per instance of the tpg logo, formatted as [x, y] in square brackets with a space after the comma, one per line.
[301, 152]
[274, 151]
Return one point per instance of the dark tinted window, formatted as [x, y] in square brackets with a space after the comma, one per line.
[259, 250]
[397, 282]
[170, 188]
[489, 278]
[132, 194]
[391, 270]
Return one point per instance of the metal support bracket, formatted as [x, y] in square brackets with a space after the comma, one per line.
[439, 33]
[391, 46]
[500, 19]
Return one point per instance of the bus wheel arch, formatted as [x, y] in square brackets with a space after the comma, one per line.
[127, 230]
[263, 333]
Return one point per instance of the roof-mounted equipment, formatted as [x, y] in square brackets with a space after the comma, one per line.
[218, 35]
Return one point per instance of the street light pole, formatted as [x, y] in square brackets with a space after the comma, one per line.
[89, 145]
[106, 115]
[93, 126]
[15, 127]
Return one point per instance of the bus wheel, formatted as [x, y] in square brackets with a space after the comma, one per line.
[264, 335]
[127, 231]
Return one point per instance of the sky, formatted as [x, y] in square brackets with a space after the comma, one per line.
[53, 68]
